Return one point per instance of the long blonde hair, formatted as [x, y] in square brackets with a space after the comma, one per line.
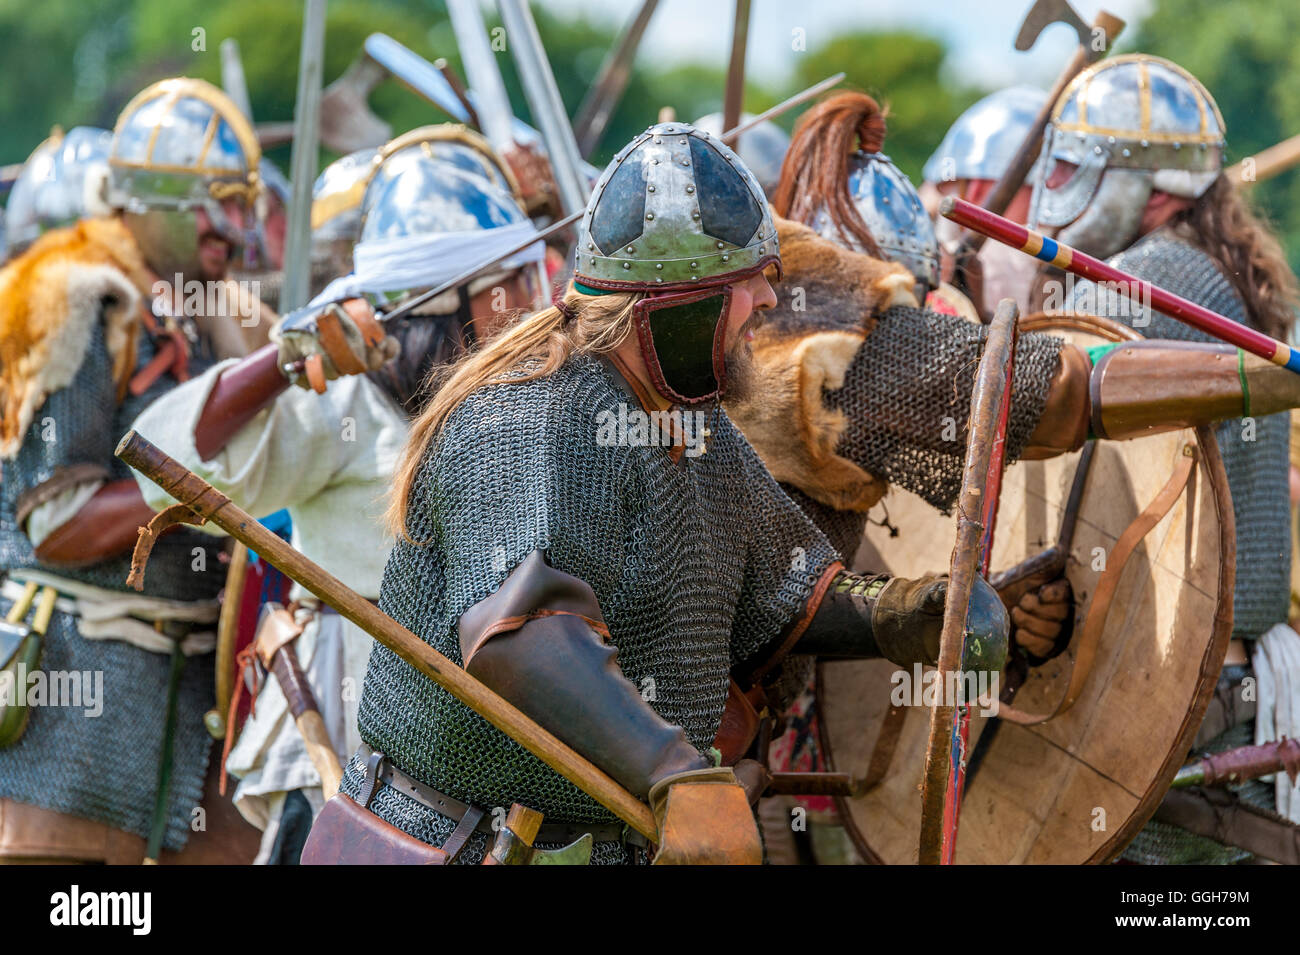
[593, 324]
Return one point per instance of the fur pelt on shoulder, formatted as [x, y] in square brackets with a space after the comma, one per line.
[827, 304]
[50, 298]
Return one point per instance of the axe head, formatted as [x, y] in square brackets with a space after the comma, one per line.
[347, 122]
[1045, 12]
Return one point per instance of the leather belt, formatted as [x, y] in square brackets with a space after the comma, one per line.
[561, 833]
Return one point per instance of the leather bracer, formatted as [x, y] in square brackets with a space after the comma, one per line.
[541, 643]
[902, 621]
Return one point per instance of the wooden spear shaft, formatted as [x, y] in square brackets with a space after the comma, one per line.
[210, 504]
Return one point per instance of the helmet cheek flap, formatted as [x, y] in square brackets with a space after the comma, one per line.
[683, 341]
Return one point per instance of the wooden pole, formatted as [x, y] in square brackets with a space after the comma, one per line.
[945, 760]
[1138, 290]
[210, 504]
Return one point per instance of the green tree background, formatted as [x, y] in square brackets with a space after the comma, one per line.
[71, 62]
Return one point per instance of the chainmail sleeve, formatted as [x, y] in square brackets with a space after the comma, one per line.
[907, 398]
[786, 556]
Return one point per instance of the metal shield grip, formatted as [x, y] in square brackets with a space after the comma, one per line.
[684, 367]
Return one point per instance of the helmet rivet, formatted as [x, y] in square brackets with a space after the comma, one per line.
[695, 265]
[885, 199]
[1111, 140]
[659, 278]
[630, 250]
[762, 248]
[690, 190]
[726, 258]
[627, 265]
[686, 162]
[719, 245]
[649, 188]
[658, 141]
[695, 214]
[1127, 152]
[1177, 146]
[649, 215]
[1144, 144]
[1097, 150]
[654, 162]
[659, 265]
[591, 246]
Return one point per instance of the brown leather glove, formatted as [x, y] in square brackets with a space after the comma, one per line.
[347, 340]
[1041, 617]
[704, 818]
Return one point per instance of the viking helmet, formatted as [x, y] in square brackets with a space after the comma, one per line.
[62, 181]
[893, 213]
[179, 146]
[677, 214]
[427, 187]
[762, 148]
[985, 138]
[336, 215]
[1132, 125]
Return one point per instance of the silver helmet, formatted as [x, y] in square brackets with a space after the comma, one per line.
[456, 145]
[1132, 125]
[411, 192]
[984, 139]
[62, 181]
[893, 213]
[336, 215]
[180, 146]
[762, 148]
[676, 212]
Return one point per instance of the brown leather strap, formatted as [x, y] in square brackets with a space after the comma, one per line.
[1221, 815]
[551, 832]
[1095, 623]
[460, 835]
[882, 754]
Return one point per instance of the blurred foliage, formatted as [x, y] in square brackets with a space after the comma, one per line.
[902, 71]
[71, 62]
[1246, 55]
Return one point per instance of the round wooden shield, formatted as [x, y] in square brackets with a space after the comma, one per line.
[1077, 787]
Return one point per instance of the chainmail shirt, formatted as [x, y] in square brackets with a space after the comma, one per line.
[697, 565]
[907, 396]
[105, 767]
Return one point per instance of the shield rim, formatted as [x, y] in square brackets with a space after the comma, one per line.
[1211, 662]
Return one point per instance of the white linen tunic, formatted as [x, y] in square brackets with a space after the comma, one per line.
[329, 459]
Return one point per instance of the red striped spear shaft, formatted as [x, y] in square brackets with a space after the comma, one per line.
[972, 217]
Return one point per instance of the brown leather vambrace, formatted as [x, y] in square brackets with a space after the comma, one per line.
[541, 642]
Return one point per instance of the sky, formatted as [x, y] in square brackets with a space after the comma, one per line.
[979, 35]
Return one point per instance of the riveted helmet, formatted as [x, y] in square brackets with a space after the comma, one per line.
[62, 181]
[891, 209]
[678, 215]
[1131, 125]
[761, 148]
[458, 146]
[181, 146]
[985, 138]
